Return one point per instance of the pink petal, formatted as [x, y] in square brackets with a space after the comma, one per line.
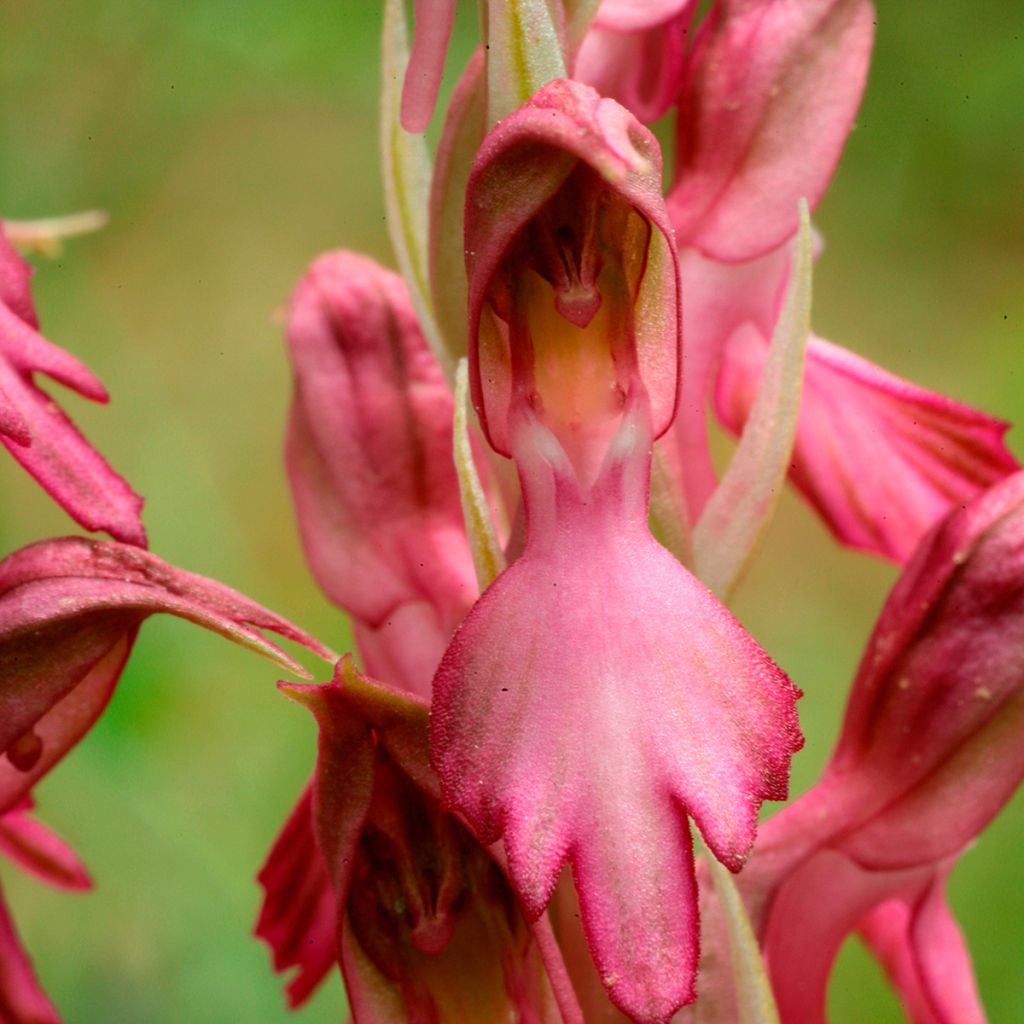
[433, 28]
[635, 55]
[369, 448]
[69, 610]
[41, 852]
[299, 907]
[638, 15]
[770, 95]
[923, 951]
[942, 668]
[814, 911]
[595, 697]
[880, 458]
[22, 1001]
[38, 434]
[521, 165]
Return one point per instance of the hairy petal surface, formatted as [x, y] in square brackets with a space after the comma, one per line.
[881, 459]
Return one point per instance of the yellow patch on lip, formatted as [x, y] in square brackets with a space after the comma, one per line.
[574, 372]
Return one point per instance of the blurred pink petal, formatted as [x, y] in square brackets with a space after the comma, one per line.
[34, 429]
[881, 459]
[813, 912]
[770, 93]
[16, 282]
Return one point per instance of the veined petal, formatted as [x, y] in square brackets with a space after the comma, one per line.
[595, 697]
[22, 1001]
[369, 448]
[881, 459]
[69, 611]
[524, 47]
[771, 92]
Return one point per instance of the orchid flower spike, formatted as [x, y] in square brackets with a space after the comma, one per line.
[598, 695]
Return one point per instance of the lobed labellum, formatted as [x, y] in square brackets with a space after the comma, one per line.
[598, 695]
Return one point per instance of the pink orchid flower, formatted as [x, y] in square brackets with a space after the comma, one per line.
[769, 96]
[377, 502]
[35, 431]
[597, 696]
[929, 753]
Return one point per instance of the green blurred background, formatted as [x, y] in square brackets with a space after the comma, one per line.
[231, 142]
